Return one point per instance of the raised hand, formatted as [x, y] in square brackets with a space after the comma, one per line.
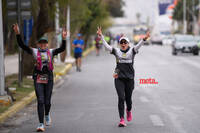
[115, 75]
[147, 35]
[99, 31]
[16, 28]
[64, 33]
[79, 46]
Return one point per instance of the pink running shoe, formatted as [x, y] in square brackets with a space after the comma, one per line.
[122, 123]
[128, 115]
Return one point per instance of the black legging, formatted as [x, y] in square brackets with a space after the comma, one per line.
[124, 89]
[43, 93]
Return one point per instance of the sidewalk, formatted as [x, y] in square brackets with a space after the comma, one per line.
[11, 64]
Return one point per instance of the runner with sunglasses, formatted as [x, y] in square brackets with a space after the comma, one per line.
[42, 74]
[124, 73]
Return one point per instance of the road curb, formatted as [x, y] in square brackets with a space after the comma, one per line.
[17, 106]
[64, 71]
[28, 99]
[88, 51]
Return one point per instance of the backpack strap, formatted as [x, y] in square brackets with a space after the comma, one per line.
[50, 60]
[39, 60]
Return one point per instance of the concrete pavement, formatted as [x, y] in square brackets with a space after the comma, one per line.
[86, 102]
[10, 61]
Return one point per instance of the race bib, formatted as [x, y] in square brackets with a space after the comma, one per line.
[43, 79]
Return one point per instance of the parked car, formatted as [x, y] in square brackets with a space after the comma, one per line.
[168, 40]
[184, 44]
[156, 39]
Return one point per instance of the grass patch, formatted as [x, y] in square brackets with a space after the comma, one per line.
[21, 92]
[3, 108]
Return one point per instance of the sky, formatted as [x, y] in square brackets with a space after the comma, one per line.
[147, 8]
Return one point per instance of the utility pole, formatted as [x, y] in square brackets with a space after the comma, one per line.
[184, 18]
[193, 16]
[68, 35]
[68, 58]
[195, 27]
[2, 68]
[57, 26]
[199, 18]
[20, 50]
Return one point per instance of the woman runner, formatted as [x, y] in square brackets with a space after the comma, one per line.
[124, 73]
[42, 74]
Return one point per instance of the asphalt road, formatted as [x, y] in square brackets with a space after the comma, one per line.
[86, 102]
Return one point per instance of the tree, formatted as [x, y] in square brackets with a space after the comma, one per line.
[8, 35]
[115, 7]
[43, 23]
[97, 15]
[190, 14]
[86, 15]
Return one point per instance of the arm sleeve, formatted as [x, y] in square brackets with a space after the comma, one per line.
[60, 49]
[137, 47]
[106, 45]
[113, 51]
[23, 46]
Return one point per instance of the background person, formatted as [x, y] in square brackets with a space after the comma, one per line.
[78, 45]
[97, 45]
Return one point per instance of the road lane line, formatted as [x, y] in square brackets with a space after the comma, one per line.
[156, 120]
[172, 116]
[175, 122]
[144, 99]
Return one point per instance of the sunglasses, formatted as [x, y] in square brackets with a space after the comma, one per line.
[42, 42]
[123, 41]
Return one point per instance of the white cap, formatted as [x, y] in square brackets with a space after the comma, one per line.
[125, 38]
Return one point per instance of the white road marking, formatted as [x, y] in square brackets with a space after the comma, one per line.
[144, 99]
[173, 117]
[156, 120]
[176, 123]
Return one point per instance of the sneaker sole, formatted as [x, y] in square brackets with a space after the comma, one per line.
[121, 125]
[40, 130]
